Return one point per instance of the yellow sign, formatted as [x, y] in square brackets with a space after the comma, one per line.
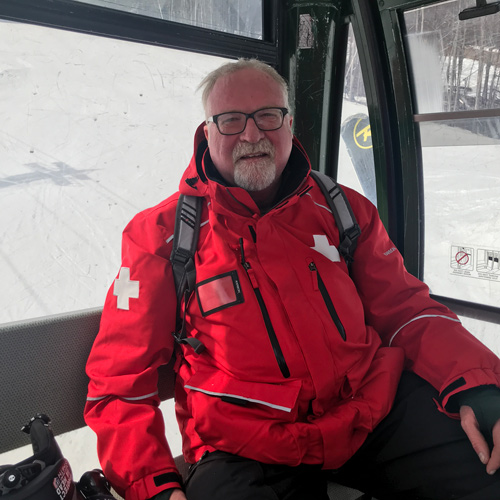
[363, 137]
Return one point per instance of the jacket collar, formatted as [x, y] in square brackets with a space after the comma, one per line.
[201, 178]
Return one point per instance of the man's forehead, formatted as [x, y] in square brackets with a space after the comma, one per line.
[244, 74]
[245, 90]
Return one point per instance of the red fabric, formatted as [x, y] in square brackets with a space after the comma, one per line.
[337, 391]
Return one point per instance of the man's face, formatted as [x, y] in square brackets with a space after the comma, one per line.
[253, 159]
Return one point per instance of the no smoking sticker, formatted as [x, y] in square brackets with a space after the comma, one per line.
[481, 263]
[462, 258]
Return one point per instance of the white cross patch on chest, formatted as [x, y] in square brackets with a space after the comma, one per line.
[124, 289]
[322, 246]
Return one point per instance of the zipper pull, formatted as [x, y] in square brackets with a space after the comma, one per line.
[251, 276]
[244, 263]
[248, 268]
[314, 274]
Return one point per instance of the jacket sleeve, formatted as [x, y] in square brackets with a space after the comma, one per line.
[133, 341]
[398, 306]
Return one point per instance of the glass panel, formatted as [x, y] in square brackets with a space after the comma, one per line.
[463, 132]
[93, 130]
[239, 17]
[356, 164]
[462, 208]
[487, 333]
[455, 65]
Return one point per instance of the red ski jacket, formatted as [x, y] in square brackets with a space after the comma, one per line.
[303, 356]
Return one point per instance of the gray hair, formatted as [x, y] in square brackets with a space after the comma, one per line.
[208, 83]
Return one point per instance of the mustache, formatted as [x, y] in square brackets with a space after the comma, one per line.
[264, 146]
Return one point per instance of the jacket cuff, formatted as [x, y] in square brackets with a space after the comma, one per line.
[149, 486]
[446, 401]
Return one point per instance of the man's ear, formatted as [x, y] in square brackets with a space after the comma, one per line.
[205, 129]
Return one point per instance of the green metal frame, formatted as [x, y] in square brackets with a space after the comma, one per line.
[308, 60]
[380, 100]
[409, 151]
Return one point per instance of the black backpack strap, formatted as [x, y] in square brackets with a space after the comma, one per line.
[186, 232]
[349, 229]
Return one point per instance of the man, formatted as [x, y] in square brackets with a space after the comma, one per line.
[310, 370]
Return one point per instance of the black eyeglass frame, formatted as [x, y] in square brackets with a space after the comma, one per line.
[215, 118]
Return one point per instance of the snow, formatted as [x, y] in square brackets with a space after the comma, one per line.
[94, 130]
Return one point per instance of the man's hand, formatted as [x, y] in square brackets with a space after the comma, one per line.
[171, 494]
[471, 428]
[178, 495]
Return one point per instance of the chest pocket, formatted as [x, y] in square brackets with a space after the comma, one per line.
[218, 293]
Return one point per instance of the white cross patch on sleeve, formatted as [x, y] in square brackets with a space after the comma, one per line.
[124, 289]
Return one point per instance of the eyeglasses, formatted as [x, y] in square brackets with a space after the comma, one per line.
[235, 122]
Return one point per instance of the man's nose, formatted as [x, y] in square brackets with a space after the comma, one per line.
[252, 133]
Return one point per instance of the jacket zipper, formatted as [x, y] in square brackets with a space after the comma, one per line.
[278, 353]
[327, 299]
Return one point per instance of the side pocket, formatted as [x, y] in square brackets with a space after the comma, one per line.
[278, 400]
[249, 419]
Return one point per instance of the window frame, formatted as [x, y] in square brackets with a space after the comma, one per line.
[112, 23]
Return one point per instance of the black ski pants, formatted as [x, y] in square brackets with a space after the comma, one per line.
[415, 453]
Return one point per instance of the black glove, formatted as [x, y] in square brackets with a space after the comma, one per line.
[485, 402]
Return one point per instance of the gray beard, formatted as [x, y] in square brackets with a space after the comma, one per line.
[258, 174]
[255, 177]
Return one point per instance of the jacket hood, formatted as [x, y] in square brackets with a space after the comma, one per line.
[196, 178]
